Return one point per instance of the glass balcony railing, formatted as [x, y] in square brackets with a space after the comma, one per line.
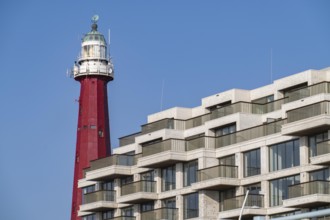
[102, 195]
[315, 89]
[309, 188]
[320, 108]
[252, 201]
[249, 134]
[123, 160]
[162, 213]
[130, 139]
[226, 171]
[167, 123]
[139, 186]
[323, 148]
[166, 145]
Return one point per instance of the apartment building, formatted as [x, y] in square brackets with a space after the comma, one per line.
[269, 145]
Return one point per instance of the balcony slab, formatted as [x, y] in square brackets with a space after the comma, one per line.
[162, 159]
[247, 212]
[323, 159]
[307, 201]
[306, 126]
[218, 183]
[137, 197]
[98, 206]
[109, 172]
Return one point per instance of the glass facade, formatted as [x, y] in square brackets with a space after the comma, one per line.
[279, 189]
[190, 206]
[252, 163]
[168, 178]
[223, 130]
[190, 172]
[319, 175]
[169, 203]
[128, 211]
[313, 140]
[284, 155]
[108, 215]
[147, 206]
[89, 217]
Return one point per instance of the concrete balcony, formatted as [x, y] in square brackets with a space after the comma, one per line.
[322, 154]
[162, 213]
[164, 153]
[111, 167]
[254, 206]
[217, 178]
[138, 192]
[309, 194]
[98, 201]
[308, 119]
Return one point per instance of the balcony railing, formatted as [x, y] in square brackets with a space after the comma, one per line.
[309, 111]
[252, 201]
[102, 195]
[249, 134]
[123, 160]
[309, 188]
[217, 171]
[200, 142]
[308, 91]
[130, 139]
[323, 148]
[166, 145]
[162, 213]
[167, 123]
[140, 186]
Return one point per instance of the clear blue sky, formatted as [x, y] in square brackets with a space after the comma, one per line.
[198, 48]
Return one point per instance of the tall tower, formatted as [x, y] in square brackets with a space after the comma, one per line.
[93, 70]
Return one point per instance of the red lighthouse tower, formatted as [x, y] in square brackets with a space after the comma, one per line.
[93, 70]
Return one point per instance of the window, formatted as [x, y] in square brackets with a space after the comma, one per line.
[319, 175]
[190, 173]
[279, 189]
[253, 189]
[264, 100]
[314, 140]
[148, 184]
[190, 205]
[86, 190]
[220, 105]
[126, 180]
[228, 160]
[168, 178]
[147, 206]
[89, 217]
[223, 130]
[284, 155]
[108, 186]
[252, 163]
[169, 211]
[294, 91]
[225, 194]
[108, 214]
[169, 203]
[128, 211]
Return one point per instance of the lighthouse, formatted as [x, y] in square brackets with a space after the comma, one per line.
[93, 70]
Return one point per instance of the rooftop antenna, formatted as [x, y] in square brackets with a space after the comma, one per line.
[161, 96]
[271, 65]
[109, 42]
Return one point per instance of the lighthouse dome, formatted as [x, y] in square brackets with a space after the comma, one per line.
[94, 35]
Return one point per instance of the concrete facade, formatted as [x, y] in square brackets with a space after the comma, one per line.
[198, 163]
